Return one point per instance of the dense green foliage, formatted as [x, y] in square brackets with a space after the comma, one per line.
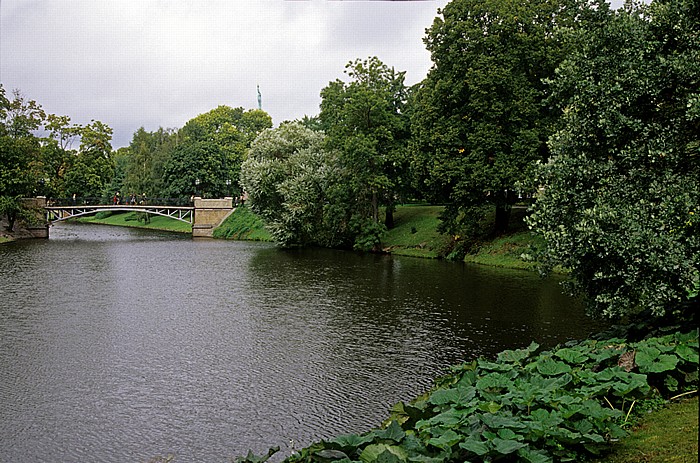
[478, 119]
[290, 177]
[19, 152]
[207, 159]
[621, 202]
[365, 122]
[529, 405]
[32, 165]
[141, 165]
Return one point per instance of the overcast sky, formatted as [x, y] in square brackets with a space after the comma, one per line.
[159, 63]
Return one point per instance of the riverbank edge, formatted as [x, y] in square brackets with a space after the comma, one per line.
[20, 232]
[415, 234]
[652, 427]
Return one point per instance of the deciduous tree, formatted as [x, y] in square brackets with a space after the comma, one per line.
[479, 122]
[364, 121]
[621, 201]
[210, 149]
[290, 178]
[19, 151]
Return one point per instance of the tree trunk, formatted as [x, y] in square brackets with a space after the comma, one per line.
[389, 219]
[375, 207]
[11, 217]
[502, 218]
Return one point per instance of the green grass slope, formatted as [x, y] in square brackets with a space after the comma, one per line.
[243, 224]
[131, 219]
[669, 435]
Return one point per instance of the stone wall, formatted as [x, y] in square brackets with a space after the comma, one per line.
[208, 214]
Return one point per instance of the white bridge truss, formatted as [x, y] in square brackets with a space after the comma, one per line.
[59, 213]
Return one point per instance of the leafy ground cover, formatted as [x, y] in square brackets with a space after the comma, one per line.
[137, 220]
[528, 405]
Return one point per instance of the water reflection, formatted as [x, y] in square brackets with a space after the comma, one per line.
[120, 345]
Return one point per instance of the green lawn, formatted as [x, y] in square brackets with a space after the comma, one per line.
[665, 436]
[504, 251]
[415, 232]
[242, 224]
[130, 219]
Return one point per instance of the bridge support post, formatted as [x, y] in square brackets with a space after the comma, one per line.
[38, 227]
[208, 214]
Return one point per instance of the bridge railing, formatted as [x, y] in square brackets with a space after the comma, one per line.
[140, 201]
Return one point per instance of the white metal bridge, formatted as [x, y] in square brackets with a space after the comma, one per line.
[59, 213]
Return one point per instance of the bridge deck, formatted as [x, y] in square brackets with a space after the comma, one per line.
[59, 213]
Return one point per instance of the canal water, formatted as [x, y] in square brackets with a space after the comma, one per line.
[123, 345]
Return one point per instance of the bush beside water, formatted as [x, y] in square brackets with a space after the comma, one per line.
[531, 405]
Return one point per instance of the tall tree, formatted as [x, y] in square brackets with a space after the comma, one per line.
[93, 167]
[621, 204]
[19, 151]
[290, 178]
[58, 154]
[210, 149]
[145, 159]
[363, 120]
[479, 120]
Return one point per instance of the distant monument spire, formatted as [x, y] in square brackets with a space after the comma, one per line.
[259, 98]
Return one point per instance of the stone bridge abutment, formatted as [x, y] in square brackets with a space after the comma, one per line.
[209, 214]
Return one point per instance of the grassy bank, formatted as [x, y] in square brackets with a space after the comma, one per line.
[669, 435]
[414, 234]
[135, 220]
[242, 224]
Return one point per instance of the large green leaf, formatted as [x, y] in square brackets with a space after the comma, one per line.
[493, 381]
[515, 356]
[375, 453]
[497, 421]
[352, 440]
[551, 367]
[506, 446]
[446, 440]
[651, 360]
[457, 396]
[449, 418]
[534, 456]
[392, 432]
[546, 418]
[572, 356]
[475, 445]
[687, 353]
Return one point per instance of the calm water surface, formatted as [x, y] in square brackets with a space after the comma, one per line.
[121, 345]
